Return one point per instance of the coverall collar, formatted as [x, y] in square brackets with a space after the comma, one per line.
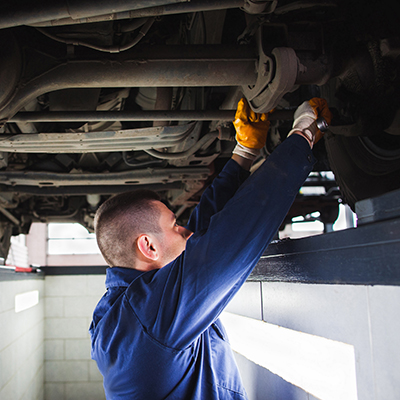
[120, 276]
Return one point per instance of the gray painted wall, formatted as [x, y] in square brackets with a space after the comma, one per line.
[366, 317]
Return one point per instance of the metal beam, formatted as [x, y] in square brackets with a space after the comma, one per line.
[74, 270]
[101, 116]
[82, 190]
[367, 255]
[146, 176]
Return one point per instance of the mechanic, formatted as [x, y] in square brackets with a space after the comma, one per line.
[156, 333]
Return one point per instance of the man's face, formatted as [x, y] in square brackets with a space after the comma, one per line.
[172, 240]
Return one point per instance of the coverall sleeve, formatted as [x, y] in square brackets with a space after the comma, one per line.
[214, 198]
[181, 300]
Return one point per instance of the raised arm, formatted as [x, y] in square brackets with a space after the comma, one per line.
[251, 135]
[194, 289]
[217, 195]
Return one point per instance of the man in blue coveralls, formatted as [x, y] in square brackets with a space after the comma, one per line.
[156, 333]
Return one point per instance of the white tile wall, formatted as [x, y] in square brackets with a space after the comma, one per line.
[54, 306]
[54, 390]
[83, 390]
[66, 286]
[65, 328]
[54, 349]
[66, 371]
[77, 349]
[21, 343]
[70, 374]
[80, 306]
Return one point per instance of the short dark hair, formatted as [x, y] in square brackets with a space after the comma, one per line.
[120, 220]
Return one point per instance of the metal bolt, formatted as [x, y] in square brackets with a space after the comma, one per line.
[266, 68]
[322, 125]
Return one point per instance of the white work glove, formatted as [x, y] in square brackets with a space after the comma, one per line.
[305, 117]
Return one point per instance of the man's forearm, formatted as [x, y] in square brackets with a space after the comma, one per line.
[245, 163]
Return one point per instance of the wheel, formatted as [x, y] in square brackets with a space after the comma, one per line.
[364, 166]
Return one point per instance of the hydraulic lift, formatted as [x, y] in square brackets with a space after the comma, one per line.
[366, 255]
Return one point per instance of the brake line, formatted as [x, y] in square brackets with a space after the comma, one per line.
[111, 49]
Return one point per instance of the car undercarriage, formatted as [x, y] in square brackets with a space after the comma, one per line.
[99, 97]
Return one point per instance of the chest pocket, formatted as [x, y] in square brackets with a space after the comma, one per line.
[224, 365]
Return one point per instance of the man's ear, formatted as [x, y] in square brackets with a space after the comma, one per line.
[147, 247]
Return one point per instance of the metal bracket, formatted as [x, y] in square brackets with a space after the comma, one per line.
[267, 92]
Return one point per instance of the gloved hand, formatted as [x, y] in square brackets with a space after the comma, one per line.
[305, 117]
[251, 130]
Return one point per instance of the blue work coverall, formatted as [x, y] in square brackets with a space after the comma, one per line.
[156, 335]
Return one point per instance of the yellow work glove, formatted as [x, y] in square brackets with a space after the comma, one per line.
[251, 130]
[305, 117]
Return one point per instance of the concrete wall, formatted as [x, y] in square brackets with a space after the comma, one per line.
[365, 319]
[70, 374]
[21, 342]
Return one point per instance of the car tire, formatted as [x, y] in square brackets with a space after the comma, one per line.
[364, 167]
